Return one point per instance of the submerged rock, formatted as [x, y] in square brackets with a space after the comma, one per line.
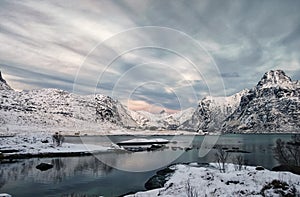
[44, 166]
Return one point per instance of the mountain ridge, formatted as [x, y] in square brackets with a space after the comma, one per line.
[212, 111]
[273, 105]
[53, 109]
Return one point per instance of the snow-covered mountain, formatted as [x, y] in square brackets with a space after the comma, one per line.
[3, 84]
[162, 120]
[273, 105]
[57, 109]
[211, 112]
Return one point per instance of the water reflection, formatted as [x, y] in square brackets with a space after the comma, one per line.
[62, 168]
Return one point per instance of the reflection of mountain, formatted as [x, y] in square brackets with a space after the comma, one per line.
[63, 168]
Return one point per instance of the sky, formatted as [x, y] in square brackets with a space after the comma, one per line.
[149, 55]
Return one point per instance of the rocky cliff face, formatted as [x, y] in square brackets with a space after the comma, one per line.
[273, 105]
[3, 84]
[211, 113]
[108, 109]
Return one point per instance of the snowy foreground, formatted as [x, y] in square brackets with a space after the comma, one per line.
[192, 180]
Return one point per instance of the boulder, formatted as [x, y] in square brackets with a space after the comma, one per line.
[259, 168]
[159, 180]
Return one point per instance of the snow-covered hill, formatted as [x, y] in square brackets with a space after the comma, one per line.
[53, 109]
[273, 105]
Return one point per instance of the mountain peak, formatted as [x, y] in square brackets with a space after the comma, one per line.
[3, 84]
[1, 78]
[274, 77]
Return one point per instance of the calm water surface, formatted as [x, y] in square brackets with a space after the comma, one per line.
[91, 176]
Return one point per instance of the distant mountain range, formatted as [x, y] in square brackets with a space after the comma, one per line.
[273, 105]
[163, 120]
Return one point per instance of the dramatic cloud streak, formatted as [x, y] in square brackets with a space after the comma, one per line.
[206, 47]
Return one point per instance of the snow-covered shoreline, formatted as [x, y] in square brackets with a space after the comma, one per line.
[193, 180]
[41, 145]
[35, 144]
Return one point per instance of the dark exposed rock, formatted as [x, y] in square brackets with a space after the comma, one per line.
[292, 169]
[44, 166]
[233, 182]
[279, 187]
[45, 141]
[159, 180]
[3, 84]
[9, 151]
[237, 151]
[1, 78]
[259, 168]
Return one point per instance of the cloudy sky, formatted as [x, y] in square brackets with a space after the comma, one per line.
[148, 54]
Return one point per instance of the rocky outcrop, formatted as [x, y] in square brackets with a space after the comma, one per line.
[108, 109]
[3, 84]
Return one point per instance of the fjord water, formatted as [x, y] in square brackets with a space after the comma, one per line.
[87, 175]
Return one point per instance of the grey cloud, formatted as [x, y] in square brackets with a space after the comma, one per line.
[41, 78]
[230, 75]
[45, 43]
